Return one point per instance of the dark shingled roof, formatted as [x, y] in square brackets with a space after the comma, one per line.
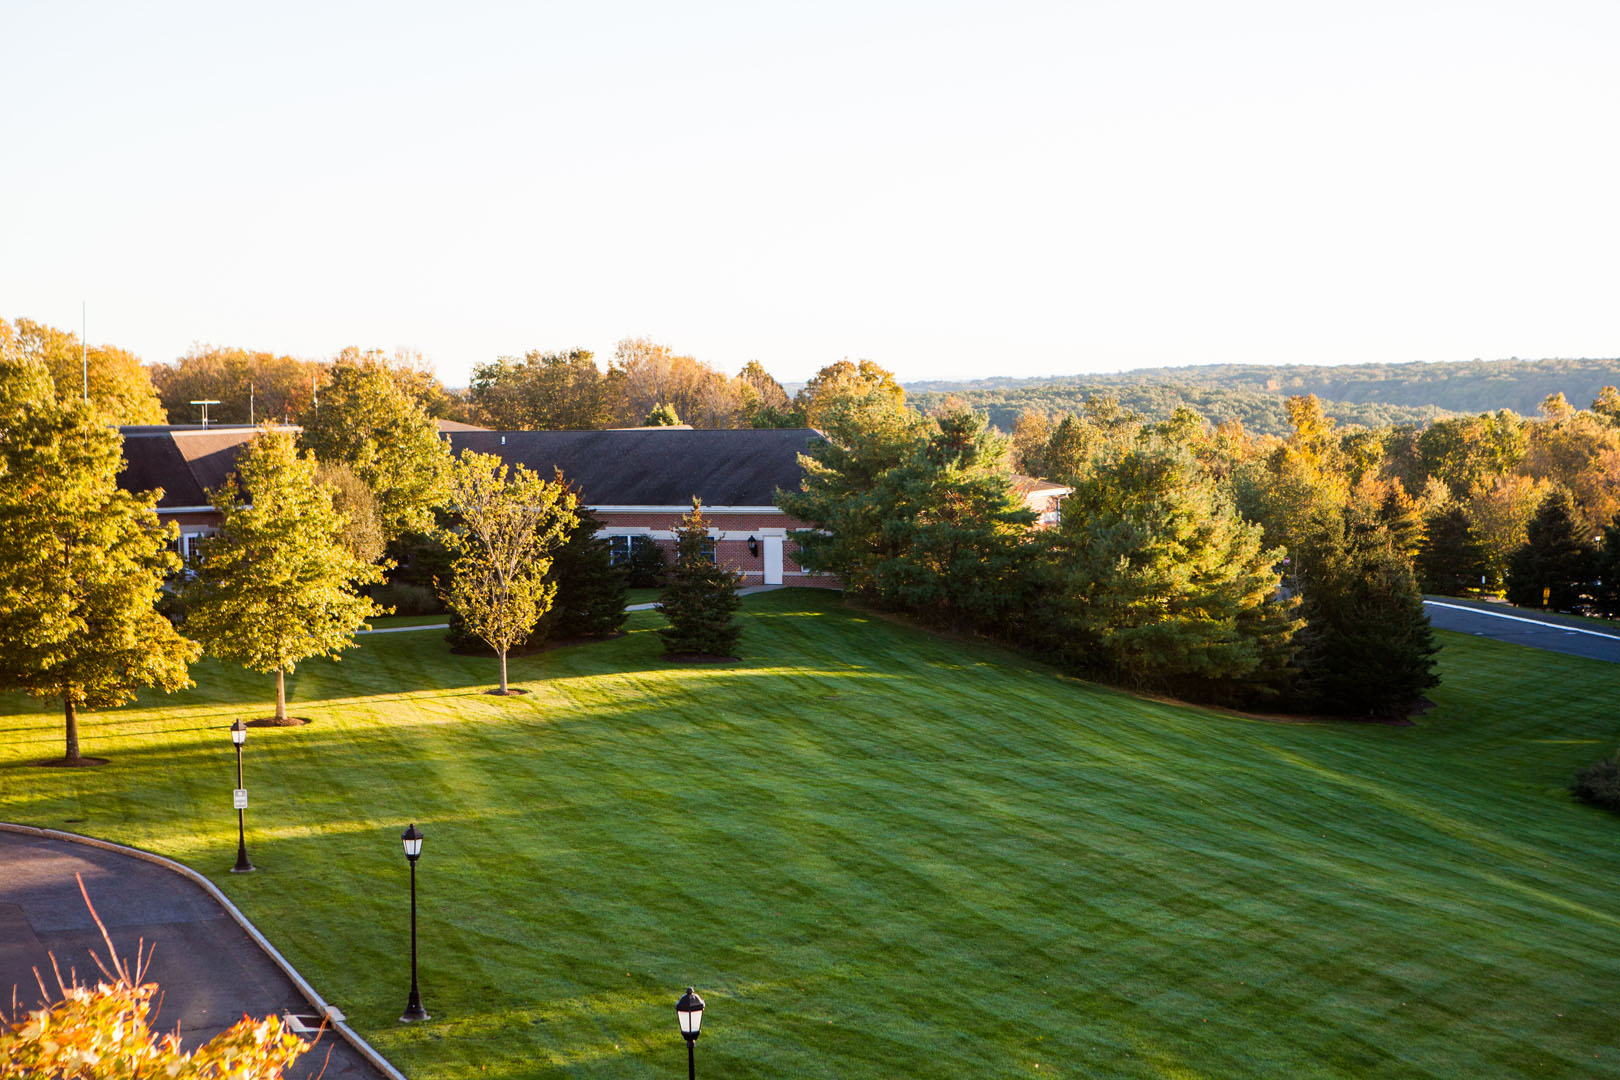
[186, 462]
[656, 466]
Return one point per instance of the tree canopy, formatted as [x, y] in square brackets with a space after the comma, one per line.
[277, 585]
[509, 522]
[82, 562]
[372, 423]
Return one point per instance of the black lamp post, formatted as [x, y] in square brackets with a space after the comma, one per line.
[412, 840]
[239, 798]
[689, 1011]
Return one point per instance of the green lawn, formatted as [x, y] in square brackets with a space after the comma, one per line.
[880, 854]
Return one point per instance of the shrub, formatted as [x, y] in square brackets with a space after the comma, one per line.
[647, 566]
[407, 599]
[1599, 783]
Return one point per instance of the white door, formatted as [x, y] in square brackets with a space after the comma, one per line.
[773, 560]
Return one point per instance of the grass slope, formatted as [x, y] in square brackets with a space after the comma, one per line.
[882, 854]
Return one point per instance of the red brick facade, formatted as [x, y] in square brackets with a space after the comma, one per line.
[731, 529]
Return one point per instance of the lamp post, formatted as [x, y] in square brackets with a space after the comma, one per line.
[689, 1011]
[239, 799]
[412, 839]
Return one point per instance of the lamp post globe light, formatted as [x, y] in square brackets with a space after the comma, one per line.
[239, 799]
[689, 1011]
[412, 839]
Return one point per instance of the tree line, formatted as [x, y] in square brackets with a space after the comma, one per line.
[1370, 394]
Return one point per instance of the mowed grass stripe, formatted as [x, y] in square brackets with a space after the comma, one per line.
[882, 853]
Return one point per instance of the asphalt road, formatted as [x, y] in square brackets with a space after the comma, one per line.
[1556, 633]
[209, 971]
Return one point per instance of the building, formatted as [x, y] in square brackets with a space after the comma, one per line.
[187, 462]
[640, 481]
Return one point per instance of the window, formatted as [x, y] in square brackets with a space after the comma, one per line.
[707, 550]
[620, 548]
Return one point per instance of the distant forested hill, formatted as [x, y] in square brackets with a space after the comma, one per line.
[1370, 394]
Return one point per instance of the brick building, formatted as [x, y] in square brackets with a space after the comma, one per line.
[640, 481]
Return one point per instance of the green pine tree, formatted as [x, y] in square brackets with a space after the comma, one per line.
[591, 591]
[1451, 561]
[1605, 587]
[1162, 584]
[1553, 566]
[700, 599]
[959, 537]
[277, 584]
[82, 563]
[1367, 648]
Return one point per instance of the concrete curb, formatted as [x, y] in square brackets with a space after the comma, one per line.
[333, 1016]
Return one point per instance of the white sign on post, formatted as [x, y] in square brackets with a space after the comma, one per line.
[239, 799]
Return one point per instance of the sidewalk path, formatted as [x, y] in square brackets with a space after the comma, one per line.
[209, 971]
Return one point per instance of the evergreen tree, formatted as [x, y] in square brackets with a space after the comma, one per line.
[1398, 516]
[663, 416]
[839, 497]
[369, 420]
[700, 598]
[647, 566]
[1162, 584]
[510, 524]
[959, 537]
[1367, 647]
[277, 584]
[1605, 585]
[591, 591]
[81, 562]
[1451, 561]
[1553, 567]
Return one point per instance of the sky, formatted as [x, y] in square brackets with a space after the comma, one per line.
[951, 190]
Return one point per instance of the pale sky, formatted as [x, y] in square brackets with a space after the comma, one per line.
[951, 190]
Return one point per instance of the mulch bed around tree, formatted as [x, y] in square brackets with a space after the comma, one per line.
[700, 658]
[510, 691]
[71, 763]
[270, 721]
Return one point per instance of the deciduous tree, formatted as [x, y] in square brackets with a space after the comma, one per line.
[82, 562]
[277, 584]
[250, 385]
[509, 524]
[120, 389]
[543, 391]
[367, 421]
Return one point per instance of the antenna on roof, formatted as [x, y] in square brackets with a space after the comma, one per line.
[205, 402]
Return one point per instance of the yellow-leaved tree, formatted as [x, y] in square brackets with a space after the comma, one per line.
[277, 585]
[81, 561]
[509, 522]
[102, 1032]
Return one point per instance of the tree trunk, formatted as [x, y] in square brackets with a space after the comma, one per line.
[281, 694]
[72, 728]
[503, 671]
